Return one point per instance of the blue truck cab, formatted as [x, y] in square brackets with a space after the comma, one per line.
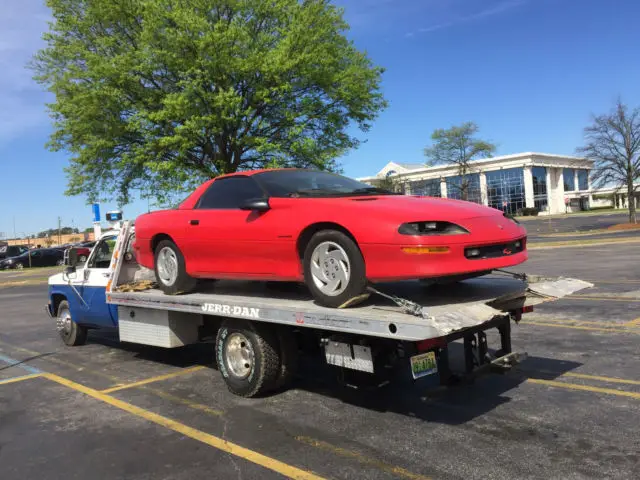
[77, 300]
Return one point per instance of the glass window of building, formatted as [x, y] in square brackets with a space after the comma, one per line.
[583, 180]
[427, 188]
[456, 187]
[540, 188]
[505, 189]
[569, 179]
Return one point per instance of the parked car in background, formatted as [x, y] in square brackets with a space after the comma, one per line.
[41, 257]
[7, 251]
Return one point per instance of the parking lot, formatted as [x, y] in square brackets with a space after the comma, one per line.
[111, 410]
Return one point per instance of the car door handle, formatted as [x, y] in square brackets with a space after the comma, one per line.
[194, 222]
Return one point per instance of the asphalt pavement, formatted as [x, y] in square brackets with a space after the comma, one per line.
[112, 410]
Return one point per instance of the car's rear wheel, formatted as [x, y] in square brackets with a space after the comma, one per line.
[334, 269]
[19, 266]
[170, 270]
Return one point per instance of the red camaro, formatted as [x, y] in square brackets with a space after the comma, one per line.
[332, 232]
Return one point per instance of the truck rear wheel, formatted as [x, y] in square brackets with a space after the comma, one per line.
[71, 333]
[248, 357]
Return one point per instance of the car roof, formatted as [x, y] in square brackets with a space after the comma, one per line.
[249, 173]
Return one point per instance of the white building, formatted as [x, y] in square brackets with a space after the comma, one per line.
[549, 183]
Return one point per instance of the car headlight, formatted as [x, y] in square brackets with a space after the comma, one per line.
[8, 261]
[431, 228]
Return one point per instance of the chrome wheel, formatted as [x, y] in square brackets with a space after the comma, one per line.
[63, 322]
[239, 355]
[330, 268]
[59, 263]
[19, 266]
[167, 264]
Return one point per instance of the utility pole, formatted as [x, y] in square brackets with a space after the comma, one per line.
[59, 234]
[14, 227]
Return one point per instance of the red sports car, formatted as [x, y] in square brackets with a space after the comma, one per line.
[332, 232]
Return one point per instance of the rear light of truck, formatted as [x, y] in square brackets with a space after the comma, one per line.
[431, 343]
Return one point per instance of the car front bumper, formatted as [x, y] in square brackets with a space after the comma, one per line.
[392, 263]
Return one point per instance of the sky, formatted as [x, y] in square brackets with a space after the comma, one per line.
[528, 72]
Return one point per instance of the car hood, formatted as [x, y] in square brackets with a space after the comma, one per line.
[412, 208]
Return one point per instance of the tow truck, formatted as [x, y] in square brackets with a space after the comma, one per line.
[258, 330]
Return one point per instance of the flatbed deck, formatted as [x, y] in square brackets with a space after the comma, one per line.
[445, 309]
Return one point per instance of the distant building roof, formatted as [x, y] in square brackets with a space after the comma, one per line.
[411, 166]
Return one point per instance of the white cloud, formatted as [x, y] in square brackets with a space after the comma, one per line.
[496, 9]
[21, 99]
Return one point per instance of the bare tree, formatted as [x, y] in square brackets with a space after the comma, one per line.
[457, 146]
[613, 143]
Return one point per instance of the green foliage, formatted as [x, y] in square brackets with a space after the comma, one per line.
[458, 146]
[157, 96]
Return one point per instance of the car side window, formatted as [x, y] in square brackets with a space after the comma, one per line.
[229, 193]
[102, 252]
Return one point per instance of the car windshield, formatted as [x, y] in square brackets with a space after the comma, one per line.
[311, 183]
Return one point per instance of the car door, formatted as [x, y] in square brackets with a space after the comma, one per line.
[36, 259]
[93, 284]
[225, 240]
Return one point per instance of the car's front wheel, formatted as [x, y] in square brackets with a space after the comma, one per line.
[334, 269]
[170, 270]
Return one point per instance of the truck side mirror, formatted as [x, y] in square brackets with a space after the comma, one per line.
[71, 258]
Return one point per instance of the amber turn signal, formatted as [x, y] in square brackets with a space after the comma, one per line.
[425, 250]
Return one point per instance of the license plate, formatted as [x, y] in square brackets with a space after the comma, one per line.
[424, 364]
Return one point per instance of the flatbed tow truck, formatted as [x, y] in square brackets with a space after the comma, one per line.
[259, 330]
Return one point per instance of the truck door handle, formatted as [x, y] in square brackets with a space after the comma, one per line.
[194, 222]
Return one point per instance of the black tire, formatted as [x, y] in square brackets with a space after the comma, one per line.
[357, 285]
[183, 283]
[72, 334]
[288, 357]
[264, 367]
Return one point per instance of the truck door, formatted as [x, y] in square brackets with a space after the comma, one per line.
[95, 277]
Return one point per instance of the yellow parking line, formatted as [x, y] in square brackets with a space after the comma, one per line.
[578, 243]
[633, 323]
[601, 378]
[343, 452]
[206, 438]
[184, 401]
[19, 379]
[573, 386]
[578, 327]
[153, 379]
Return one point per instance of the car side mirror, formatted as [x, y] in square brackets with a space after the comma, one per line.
[71, 259]
[256, 204]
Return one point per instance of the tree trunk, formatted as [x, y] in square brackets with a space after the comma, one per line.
[631, 200]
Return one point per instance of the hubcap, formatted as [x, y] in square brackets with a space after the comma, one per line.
[330, 268]
[19, 266]
[239, 355]
[63, 322]
[167, 266]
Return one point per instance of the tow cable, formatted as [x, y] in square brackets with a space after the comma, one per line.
[412, 308]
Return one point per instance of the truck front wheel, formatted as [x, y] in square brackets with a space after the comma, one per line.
[71, 333]
[248, 357]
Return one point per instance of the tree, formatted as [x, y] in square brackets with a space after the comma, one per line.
[160, 96]
[458, 146]
[612, 141]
